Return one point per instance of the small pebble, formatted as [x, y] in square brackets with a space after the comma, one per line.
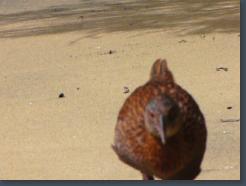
[111, 52]
[126, 90]
[229, 108]
[78, 88]
[61, 95]
[222, 68]
[182, 41]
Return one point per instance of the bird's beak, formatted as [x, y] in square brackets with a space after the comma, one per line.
[161, 131]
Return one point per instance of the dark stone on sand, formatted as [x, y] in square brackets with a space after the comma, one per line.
[222, 68]
[111, 51]
[61, 95]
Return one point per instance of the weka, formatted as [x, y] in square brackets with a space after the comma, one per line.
[160, 129]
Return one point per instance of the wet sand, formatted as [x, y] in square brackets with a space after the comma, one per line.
[55, 49]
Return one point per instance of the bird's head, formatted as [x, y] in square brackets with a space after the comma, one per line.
[162, 117]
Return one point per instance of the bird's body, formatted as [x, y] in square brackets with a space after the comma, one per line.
[180, 156]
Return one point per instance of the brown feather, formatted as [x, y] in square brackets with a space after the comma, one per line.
[181, 156]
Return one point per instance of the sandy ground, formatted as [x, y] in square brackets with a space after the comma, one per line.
[47, 52]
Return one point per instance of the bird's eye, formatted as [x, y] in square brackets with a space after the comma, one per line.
[173, 114]
[151, 114]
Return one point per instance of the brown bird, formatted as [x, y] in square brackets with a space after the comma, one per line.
[160, 129]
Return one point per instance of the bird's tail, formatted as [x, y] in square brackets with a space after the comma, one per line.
[160, 71]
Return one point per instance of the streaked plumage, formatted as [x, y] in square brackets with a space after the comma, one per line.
[137, 141]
